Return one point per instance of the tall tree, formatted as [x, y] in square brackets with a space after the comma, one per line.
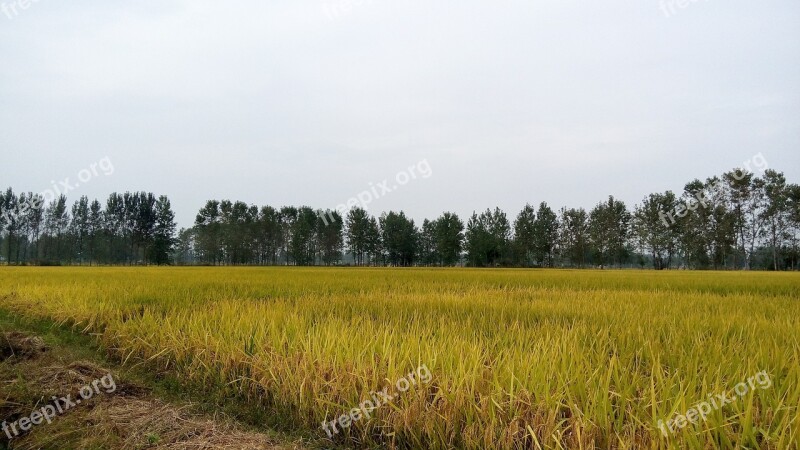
[208, 226]
[657, 237]
[56, 226]
[185, 246]
[545, 235]
[793, 206]
[288, 215]
[694, 224]
[358, 223]
[12, 222]
[163, 232]
[237, 224]
[5, 216]
[114, 223]
[525, 237]
[330, 226]
[574, 235]
[488, 236]
[776, 214]
[80, 227]
[449, 238]
[36, 222]
[608, 231]
[374, 248]
[399, 236]
[746, 199]
[269, 236]
[95, 230]
[304, 237]
[143, 224]
[427, 244]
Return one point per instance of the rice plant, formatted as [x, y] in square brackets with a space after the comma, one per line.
[520, 358]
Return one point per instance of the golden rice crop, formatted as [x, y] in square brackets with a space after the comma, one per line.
[520, 358]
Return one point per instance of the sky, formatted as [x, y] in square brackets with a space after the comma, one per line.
[314, 102]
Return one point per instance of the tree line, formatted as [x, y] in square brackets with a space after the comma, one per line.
[734, 221]
[130, 228]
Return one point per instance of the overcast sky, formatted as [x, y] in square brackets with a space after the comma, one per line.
[311, 102]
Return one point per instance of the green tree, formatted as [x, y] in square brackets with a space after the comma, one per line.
[269, 236]
[164, 232]
[574, 235]
[11, 215]
[288, 215]
[746, 200]
[114, 225]
[525, 237]
[36, 222]
[95, 230]
[399, 236]
[374, 248]
[185, 246]
[608, 231]
[793, 206]
[304, 237]
[545, 235]
[56, 229]
[329, 233]
[776, 215]
[79, 227]
[358, 223]
[488, 236]
[208, 226]
[655, 236]
[449, 238]
[237, 231]
[428, 255]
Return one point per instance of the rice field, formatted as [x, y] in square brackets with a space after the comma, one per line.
[519, 358]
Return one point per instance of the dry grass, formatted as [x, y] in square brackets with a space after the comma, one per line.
[130, 418]
[17, 345]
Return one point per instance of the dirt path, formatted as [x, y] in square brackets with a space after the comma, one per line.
[117, 415]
